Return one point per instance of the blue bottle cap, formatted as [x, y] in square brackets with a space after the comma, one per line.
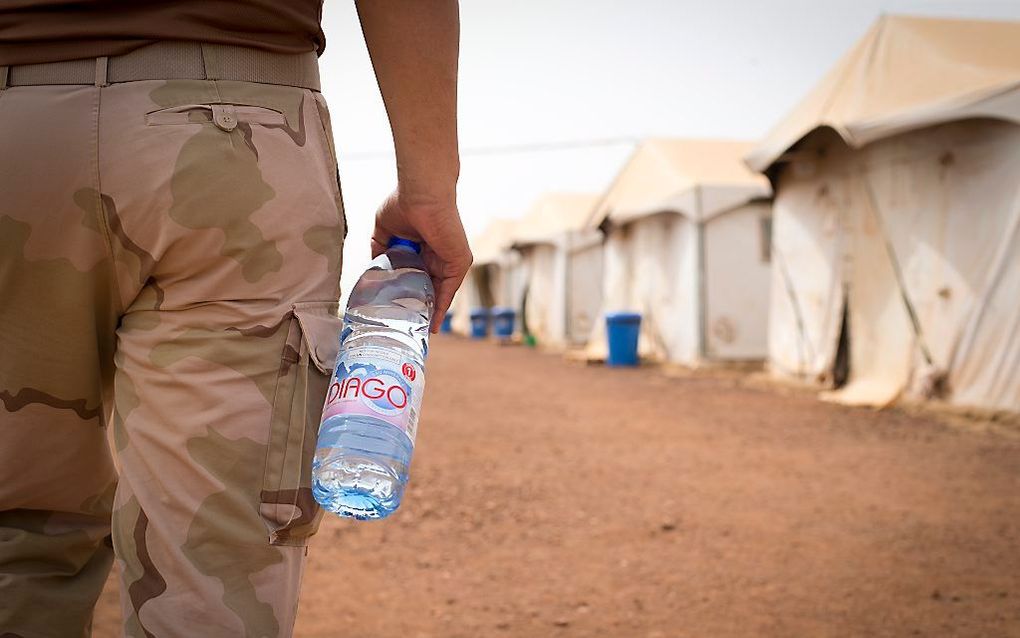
[400, 241]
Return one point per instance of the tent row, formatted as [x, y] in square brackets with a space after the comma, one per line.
[681, 236]
[869, 245]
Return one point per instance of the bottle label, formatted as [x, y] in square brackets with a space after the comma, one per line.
[376, 382]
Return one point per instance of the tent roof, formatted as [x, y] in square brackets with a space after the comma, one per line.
[674, 174]
[553, 214]
[907, 73]
[492, 241]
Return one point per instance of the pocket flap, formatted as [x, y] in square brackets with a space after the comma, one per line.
[202, 113]
[320, 329]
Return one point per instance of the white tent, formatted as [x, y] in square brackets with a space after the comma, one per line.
[488, 283]
[687, 247]
[556, 279]
[896, 232]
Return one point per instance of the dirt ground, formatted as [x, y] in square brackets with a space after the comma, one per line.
[553, 499]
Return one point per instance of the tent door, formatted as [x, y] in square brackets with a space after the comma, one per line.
[584, 288]
[485, 283]
[841, 362]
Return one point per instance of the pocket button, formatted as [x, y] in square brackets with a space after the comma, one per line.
[225, 116]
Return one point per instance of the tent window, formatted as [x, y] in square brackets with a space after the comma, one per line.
[766, 238]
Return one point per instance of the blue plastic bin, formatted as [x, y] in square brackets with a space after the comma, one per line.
[447, 325]
[503, 322]
[622, 331]
[479, 323]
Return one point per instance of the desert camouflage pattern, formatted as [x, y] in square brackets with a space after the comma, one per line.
[170, 254]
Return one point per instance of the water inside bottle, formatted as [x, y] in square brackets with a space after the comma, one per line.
[362, 457]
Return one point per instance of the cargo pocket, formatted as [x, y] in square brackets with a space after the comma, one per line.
[286, 503]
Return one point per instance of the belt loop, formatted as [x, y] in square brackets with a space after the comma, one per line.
[101, 65]
[3, 77]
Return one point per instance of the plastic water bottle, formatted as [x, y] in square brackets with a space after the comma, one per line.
[371, 413]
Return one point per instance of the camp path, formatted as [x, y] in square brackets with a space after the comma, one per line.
[554, 499]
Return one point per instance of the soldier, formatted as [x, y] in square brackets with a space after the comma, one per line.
[170, 247]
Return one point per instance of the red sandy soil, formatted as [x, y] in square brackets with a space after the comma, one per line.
[553, 499]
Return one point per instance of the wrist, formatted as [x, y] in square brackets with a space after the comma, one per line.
[433, 190]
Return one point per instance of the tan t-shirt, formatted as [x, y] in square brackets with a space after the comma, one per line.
[33, 31]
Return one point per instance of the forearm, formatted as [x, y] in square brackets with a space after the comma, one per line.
[414, 46]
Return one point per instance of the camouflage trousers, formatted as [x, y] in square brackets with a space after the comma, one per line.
[170, 254]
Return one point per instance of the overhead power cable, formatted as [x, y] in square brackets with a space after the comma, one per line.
[507, 149]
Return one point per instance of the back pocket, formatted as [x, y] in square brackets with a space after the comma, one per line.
[306, 363]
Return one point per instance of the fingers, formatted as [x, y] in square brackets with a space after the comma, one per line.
[381, 234]
[448, 272]
[445, 290]
[445, 252]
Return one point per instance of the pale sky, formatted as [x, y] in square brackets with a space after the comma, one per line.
[541, 71]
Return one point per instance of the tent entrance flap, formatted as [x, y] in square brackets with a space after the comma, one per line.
[841, 363]
[483, 281]
[734, 276]
[584, 287]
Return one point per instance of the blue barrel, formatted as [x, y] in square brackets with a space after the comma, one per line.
[622, 331]
[503, 322]
[447, 325]
[479, 323]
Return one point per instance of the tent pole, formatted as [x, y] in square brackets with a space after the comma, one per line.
[699, 228]
[564, 248]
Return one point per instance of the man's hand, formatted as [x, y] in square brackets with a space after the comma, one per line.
[437, 224]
